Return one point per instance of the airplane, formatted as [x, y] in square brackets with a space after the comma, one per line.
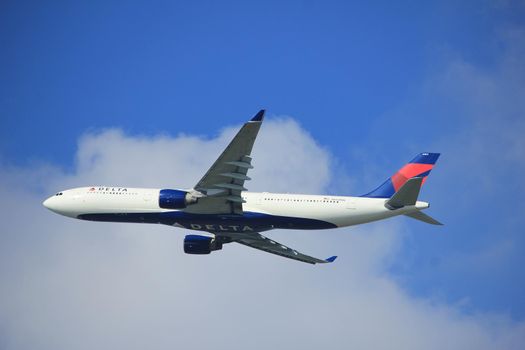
[221, 207]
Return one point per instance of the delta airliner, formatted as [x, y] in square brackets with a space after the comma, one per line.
[220, 206]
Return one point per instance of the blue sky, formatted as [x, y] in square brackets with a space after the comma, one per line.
[157, 67]
[371, 83]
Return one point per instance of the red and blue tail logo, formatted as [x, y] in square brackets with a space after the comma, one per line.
[420, 166]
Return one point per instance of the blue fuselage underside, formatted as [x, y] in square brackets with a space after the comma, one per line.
[249, 221]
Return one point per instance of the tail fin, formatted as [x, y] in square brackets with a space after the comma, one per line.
[420, 166]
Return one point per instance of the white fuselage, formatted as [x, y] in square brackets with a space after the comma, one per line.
[277, 210]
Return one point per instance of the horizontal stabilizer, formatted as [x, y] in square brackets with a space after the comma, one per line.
[423, 217]
[407, 194]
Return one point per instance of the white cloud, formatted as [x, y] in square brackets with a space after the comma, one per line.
[68, 284]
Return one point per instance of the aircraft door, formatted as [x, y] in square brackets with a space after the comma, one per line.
[350, 204]
[261, 198]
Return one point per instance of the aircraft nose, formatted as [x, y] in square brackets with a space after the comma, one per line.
[54, 203]
[61, 204]
[48, 203]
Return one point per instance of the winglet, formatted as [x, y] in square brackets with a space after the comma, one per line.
[259, 116]
[331, 259]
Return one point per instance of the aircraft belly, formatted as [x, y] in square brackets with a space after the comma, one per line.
[248, 222]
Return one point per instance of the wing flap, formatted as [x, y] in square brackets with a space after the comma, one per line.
[238, 176]
[231, 186]
[244, 165]
[235, 199]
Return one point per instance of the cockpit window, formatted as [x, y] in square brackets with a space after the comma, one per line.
[58, 194]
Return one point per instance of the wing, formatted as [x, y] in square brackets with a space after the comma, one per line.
[258, 241]
[224, 181]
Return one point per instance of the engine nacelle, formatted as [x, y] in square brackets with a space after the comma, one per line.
[175, 199]
[195, 244]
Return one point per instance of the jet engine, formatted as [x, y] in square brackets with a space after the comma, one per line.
[195, 244]
[175, 199]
